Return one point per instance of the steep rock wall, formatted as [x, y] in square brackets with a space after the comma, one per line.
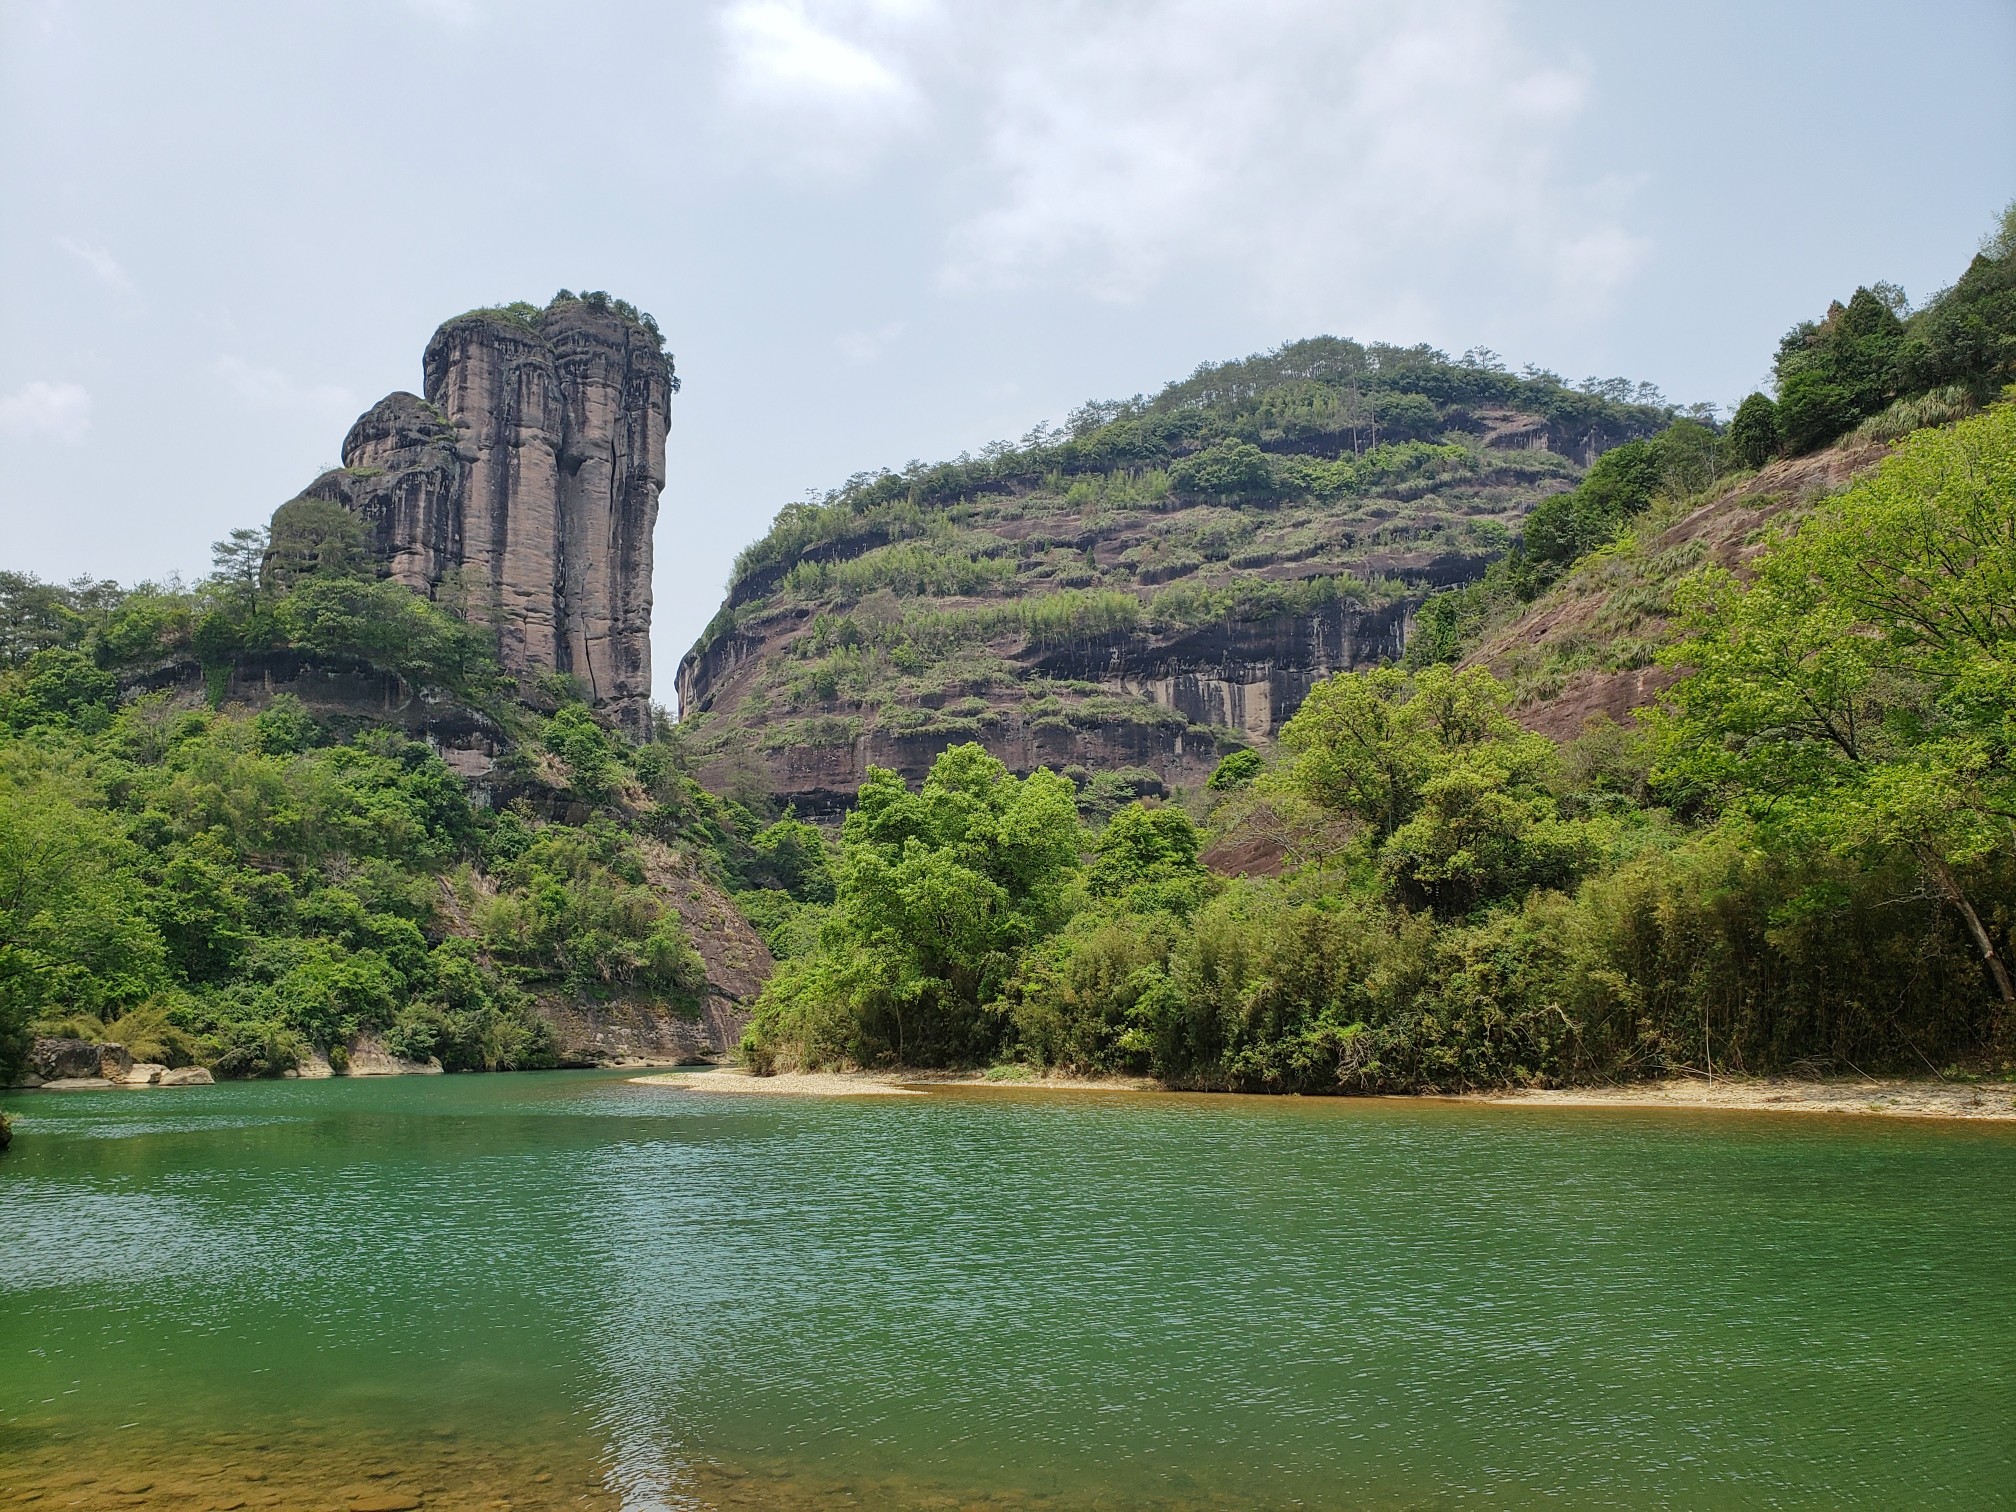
[524, 486]
[1169, 696]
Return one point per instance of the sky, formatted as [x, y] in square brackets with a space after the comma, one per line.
[879, 230]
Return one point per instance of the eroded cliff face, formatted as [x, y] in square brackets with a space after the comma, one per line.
[1130, 598]
[1165, 706]
[524, 487]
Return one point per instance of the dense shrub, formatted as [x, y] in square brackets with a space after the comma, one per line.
[1830, 887]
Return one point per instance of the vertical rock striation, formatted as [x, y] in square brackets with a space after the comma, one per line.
[524, 487]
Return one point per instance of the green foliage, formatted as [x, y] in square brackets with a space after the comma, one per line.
[59, 687]
[387, 625]
[572, 907]
[1680, 459]
[1446, 625]
[938, 895]
[1236, 770]
[310, 538]
[1233, 472]
[594, 771]
[1753, 431]
[1863, 355]
[941, 568]
[73, 936]
[1967, 335]
[35, 616]
[241, 890]
[1326, 418]
[1147, 856]
[1455, 800]
[1827, 884]
[1857, 695]
[470, 1021]
[792, 855]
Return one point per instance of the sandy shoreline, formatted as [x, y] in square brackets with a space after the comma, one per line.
[1894, 1097]
[733, 1079]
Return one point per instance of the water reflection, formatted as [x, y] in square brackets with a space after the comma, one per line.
[571, 1291]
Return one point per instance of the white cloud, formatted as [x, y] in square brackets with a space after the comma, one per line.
[1312, 147]
[1326, 158]
[101, 263]
[824, 83]
[59, 411]
[270, 389]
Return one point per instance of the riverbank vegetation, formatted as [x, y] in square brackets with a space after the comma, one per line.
[1806, 857]
[1803, 857]
[208, 881]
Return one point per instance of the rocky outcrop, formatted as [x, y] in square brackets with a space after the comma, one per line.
[53, 1059]
[523, 488]
[613, 1031]
[636, 1031]
[1163, 704]
[1131, 602]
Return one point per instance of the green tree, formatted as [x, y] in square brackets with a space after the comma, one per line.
[312, 538]
[387, 625]
[1234, 471]
[238, 565]
[1859, 693]
[61, 686]
[1454, 798]
[938, 895]
[1148, 855]
[593, 770]
[72, 936]
[34, 616]
[791, 854]
[1753, 432]
[1832, 374]
[1968, 334]
[1235, 770]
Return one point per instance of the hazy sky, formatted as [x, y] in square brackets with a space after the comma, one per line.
[883, 229]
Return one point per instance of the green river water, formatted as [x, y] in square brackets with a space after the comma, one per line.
[570, 1289]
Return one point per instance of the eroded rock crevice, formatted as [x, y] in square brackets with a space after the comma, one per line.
[523, 488]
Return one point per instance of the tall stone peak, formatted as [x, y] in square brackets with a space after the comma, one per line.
[523, 487]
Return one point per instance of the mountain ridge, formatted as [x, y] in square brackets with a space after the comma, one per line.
[1156, 585]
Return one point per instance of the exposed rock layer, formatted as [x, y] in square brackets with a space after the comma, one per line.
[1131, 599]
[524, 488]
[1243, 676]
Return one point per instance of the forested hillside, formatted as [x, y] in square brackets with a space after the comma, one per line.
[1576, 613]
[207, 870]
[1804, 857]
[1133, 596]
[259, 821]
